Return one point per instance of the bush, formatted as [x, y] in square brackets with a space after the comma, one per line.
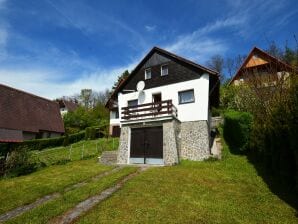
[66, 140]
[40, 144]
[215, 112]
[90, 133]
[76, 137]
[237, 126]
[18, 163]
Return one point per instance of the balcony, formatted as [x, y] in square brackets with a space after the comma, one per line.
[149, 110]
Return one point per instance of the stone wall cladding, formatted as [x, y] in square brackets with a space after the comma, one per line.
[170, 142]
[194, 137]
[123, 146]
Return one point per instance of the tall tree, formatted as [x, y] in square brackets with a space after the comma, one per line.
[121, 77]
[274, 50]
[86, 97]
[230, 66]
[217, 63]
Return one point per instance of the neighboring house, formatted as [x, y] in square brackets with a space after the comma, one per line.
[24, 116]
[67, 106]
[261, 69]
[163, 110]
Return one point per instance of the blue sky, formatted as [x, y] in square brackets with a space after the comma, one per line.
[57, 47]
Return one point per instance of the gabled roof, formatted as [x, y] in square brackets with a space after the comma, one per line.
[69, 105]
[27, 112]
[162, 52]
[265, 58]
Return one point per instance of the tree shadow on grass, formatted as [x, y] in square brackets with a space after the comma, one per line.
[285, 190]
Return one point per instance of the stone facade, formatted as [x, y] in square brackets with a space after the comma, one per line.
[171, 144]
[194, 137]
[122, 157]
[186, 140]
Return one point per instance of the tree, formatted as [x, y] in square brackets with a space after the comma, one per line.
[121, 77]
[230, 66]
[86, 97]
[275, 51]
[217, 63]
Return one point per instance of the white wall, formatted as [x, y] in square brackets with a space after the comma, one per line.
[113, 119]
[186, 112]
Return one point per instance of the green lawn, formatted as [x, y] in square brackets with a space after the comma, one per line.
[56, 207]
[227, 191]
[25, 189]
[77, 151]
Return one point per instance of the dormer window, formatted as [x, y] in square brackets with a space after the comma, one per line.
[148, 73]
[164, 70]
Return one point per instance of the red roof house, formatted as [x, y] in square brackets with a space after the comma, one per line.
[24, 116]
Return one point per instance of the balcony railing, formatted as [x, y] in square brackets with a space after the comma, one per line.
[149, 110]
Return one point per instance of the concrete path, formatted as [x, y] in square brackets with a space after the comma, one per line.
[24, 208]
[74, 213]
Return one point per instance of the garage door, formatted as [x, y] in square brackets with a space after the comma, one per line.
[146, 145]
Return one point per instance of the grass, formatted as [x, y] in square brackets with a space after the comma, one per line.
[227, 191]
[25, 189]
[79, 150]
[54, 208]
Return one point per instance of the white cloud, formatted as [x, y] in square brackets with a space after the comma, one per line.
[200, 45]
[46, 82]
[150, 28]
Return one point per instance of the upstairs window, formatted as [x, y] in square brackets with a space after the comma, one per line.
[164, 70]
[186, 96]
[115, 114]
[132, 103]
[148, 73]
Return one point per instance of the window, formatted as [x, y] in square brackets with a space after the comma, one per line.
[148, 73]
[115, 114]
[186, 96]
[132, 103]
[164, 70]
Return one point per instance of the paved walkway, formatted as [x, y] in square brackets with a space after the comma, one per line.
[24, 208]
[74, 213]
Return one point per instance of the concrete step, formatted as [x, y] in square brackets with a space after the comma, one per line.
[108, 157]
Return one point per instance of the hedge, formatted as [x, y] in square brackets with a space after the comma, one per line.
[90, 133]
[236, 130]
[39, 144]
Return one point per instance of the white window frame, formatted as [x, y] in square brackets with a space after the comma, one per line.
[146, 76]
[161, 70]
[181, 92]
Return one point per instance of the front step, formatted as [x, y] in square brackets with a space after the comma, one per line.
[109, 157]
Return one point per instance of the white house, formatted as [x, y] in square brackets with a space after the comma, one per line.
[163, 110]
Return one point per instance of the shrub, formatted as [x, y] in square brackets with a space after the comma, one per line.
[90, 133]
[215, 112]
[39, 144]
[76, 137]
[237, 126]
[18, 163]
[66, 140]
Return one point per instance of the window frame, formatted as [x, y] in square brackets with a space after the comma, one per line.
[148, 69]
[183, 91]
[167, 70]
[131, 101]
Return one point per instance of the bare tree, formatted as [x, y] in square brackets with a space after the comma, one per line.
[217, 63]
[230, 66]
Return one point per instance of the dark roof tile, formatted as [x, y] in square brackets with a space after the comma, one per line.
[27, 112]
